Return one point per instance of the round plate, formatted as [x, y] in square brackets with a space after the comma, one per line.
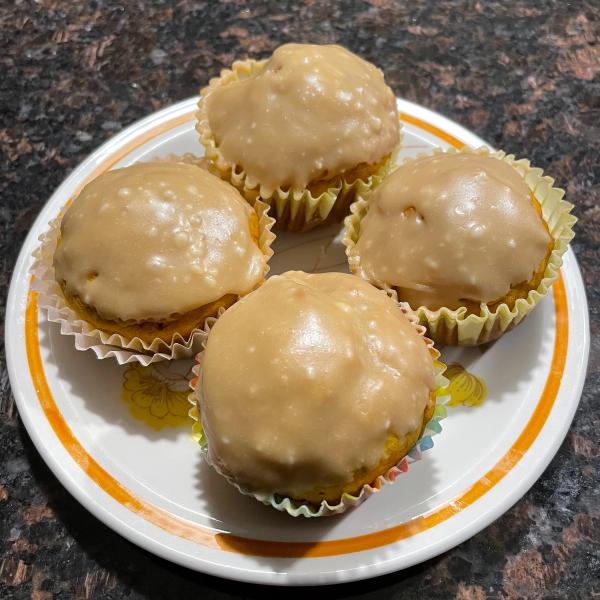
[118, 439]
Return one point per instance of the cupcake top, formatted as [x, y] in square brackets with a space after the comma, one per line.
[451, 228]
[156, 240]
[304, 379]
[311, 113]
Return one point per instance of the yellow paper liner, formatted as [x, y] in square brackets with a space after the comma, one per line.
[457, 327]
[294, 507]
[106, 345]
[295, 209]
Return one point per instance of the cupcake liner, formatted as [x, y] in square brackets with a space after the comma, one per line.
[295, 209]
[111, 345]
[456, 327]
[294, 508]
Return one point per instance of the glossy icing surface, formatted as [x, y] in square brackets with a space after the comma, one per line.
[311, 113]
[304, 380]
[157, 239]
[452, 227]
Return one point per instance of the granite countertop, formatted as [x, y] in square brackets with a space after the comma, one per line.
[523, 75]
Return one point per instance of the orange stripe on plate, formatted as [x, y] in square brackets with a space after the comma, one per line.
[441, 514]
[450, 139]
[72, 445]
[232, 543]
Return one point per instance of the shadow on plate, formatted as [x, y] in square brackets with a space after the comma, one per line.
[100, 385]
[246, 523]
[88, 546]
[522, 350]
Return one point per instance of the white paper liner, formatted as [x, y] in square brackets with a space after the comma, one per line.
[112, 345]
[297, 509]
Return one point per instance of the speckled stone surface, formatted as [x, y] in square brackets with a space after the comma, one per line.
[523, 75]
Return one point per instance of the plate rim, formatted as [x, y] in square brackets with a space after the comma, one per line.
[126, 529]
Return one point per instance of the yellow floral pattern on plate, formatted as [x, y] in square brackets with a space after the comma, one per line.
[156, 395]
[464, 389]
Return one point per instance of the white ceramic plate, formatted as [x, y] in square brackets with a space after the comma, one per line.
[90, 419]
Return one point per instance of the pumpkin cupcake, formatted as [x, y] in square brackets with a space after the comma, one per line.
[144, 255]
[471, 240]
[301, 131]
[308, 405]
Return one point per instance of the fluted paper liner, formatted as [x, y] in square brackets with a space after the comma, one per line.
[295, 209]
[112, 345]
[296, 508]
[457, 327]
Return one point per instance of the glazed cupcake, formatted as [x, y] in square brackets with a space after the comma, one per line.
[311, 389]
[472, 240]
[302, 130]
[144, 255]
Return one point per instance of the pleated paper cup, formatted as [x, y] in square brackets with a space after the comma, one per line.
[294, 209]
[457, 326]
[431, 426]
[52, 301]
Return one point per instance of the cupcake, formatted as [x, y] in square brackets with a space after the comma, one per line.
[311, 389]
[471, 240]
[302, 130]
[145, 254]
